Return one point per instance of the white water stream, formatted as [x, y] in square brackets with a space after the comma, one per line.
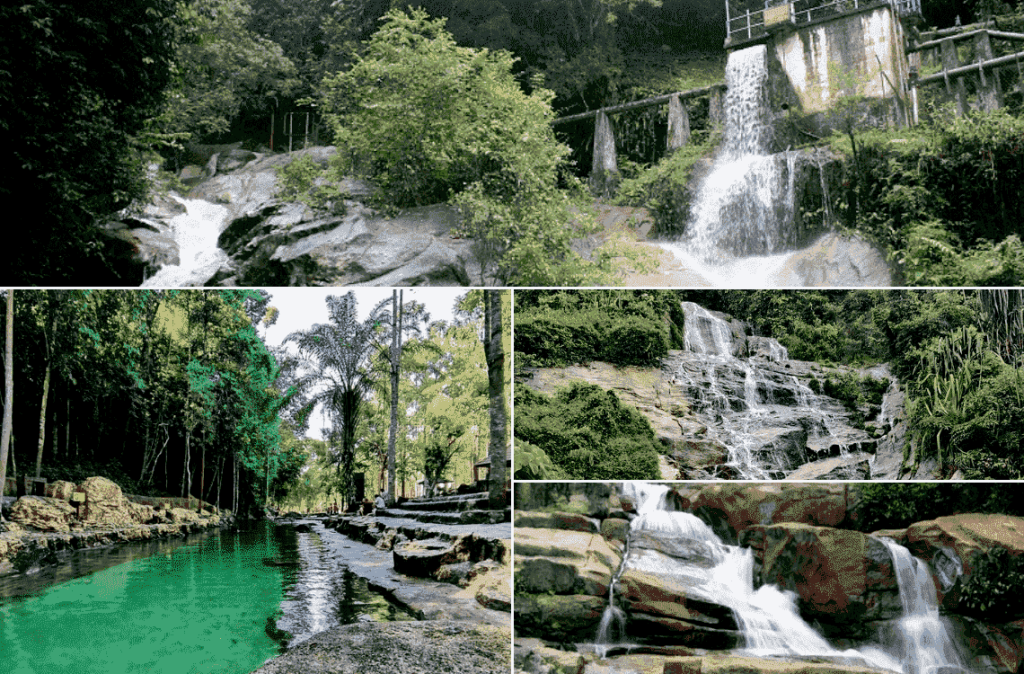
[768, 617]
[741, 417]
[196, 231]
[744, 205]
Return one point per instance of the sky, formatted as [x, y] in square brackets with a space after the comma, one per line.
[302, 308]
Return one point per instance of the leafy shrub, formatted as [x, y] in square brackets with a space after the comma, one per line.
[588, 433]
[298, 183]
[895, 505]
[430, 121]
[531, 463]
[664, 188]
[634, 340]
[943, 198]
[995, 583]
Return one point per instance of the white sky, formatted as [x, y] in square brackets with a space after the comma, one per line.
[302, 308]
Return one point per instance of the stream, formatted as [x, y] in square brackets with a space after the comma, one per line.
[217, 603]
[196, 232]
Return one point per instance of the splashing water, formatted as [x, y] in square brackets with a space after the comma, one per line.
[768, 617]
[196, 232]
[923, 641]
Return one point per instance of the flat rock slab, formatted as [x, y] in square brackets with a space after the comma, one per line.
[425, 599]
[407, 647]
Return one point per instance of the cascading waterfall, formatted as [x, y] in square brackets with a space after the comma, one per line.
[768, 617]
[740, 397]
[744, 206]
[196, 232]
[924, 643]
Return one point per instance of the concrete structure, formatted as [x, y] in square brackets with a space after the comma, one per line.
[825, 55]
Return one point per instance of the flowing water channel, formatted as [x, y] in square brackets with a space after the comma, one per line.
[768, 617]
[196, 232]
[217, 603]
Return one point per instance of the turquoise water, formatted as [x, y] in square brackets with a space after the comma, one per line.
[198, 608]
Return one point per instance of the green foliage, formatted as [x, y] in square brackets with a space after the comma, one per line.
[586, 432]
[992, 589]
[299, 182]
[221, 69]
[853, 391]
[430, 121]
[897, 505]
[945, 199]
[664, 187]
[531, 463]
[78, 83]
[622, 327]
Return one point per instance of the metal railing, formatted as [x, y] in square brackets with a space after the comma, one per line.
[751, 24]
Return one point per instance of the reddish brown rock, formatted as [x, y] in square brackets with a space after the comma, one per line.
[839, 575]
[735, 507]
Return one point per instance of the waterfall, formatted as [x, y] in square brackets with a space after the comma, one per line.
[196, 232]
[923, 641]
[740, 221]
[742, 206]
[768, 617]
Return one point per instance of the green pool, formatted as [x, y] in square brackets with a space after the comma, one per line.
[199, 607]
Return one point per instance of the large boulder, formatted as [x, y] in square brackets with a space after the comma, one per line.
[45, 514]
[731, 508]
[105, 504]
[953, 544]
[61, 489]
[841, 577]
[560, 618]
[563, 562]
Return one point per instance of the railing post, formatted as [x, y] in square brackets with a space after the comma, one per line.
[990, 92]
[749, 34]
[949, 62]
[678, 124]
[604, 170]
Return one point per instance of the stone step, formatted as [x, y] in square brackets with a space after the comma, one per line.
[477, 501]
[447, 517]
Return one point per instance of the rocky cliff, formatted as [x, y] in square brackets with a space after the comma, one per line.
[733, 405]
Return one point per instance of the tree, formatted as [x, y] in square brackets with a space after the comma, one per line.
[80, 81]
[430, 121]
[337, 374]
[222, 69]
[395, 362]
[5, 439]
[498, 444]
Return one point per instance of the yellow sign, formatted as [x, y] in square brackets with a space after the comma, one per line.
[774, 16]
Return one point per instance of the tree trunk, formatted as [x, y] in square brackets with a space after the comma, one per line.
[495, 355]
[396, 356]
[5, 439]
[42, 421]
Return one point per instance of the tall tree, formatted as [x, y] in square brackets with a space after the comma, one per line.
[396, 360]
[337, 374]
[495, 353]
[5, 439]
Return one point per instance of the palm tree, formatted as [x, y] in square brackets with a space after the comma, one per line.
[336, 373]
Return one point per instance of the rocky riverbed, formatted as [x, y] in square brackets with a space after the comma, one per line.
[453, 578]
[233, 198]
[841, 586]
